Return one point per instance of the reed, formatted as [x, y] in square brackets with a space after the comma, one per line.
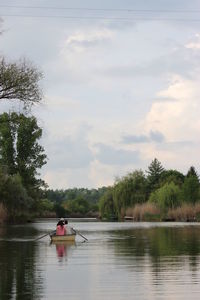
[185, 213]
[144, 212]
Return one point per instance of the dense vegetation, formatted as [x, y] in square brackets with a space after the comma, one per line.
[20, 158]
[157, 193]
[73, 202]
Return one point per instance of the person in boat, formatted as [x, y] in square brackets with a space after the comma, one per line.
[69, 229]
[61, 228]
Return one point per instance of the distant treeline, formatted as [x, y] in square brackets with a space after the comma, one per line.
[76, 202]
[157, 194]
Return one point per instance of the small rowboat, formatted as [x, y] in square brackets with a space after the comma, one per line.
[63, 238]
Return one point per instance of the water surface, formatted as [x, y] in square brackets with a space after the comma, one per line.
[137, 260]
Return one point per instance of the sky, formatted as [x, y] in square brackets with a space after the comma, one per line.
[120, 83]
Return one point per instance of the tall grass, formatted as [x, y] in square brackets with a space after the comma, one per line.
[186, 212]
[150, 212]
[144, 212]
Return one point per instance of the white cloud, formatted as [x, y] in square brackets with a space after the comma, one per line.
[177, 119]
[194, 45]
[82, 40]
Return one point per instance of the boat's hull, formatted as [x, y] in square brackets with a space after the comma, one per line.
[63, 238]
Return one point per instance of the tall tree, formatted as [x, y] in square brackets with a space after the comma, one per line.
[20, 150]
[192, 172]
[191, 186]
[20, 81]
[154, 172]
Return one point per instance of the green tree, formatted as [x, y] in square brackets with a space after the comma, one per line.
[175, 176]
[13, 195]
[154, 172]
[19, 81]
[192, 172]
[167, 196]
[191, 189]
[20, 150]
[78, 205]
[7, 149]
[129, 191]
[106, 205]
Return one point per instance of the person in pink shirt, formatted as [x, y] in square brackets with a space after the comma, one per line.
[61, 228]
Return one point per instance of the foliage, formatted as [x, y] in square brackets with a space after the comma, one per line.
[92, 195]
[60, 210]
[155, 170]
[44, 205]
[192, 172]
[13, 195]
[20, 151]
[175, 176]
[106, 205]
[19, 80]
[191, 189]
[78, 206]
[167, 196]
[129, 191]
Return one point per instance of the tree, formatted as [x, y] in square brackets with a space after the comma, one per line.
[19, 81]
[167, 196]
[106, 205]
[20, 150]
[192, 172]
[191, 189]
[191, 186]
[172, 176]
[154, 174]
[129, 191]
[13, 195]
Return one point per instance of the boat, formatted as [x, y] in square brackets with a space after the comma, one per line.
[63, 238]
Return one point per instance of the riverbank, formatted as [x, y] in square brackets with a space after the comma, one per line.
[150, 212]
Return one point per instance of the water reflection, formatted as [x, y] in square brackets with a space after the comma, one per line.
[18, 269]
[63, 249]
[170, 254]
[120, 260]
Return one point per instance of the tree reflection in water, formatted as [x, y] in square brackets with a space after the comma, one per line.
[165, 249]
[19, 278]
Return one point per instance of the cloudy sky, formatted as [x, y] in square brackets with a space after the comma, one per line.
[121, 83]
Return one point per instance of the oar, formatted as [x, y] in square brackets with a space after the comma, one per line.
[44, 235]
[77, 232]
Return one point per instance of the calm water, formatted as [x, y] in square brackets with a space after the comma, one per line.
[133, 260]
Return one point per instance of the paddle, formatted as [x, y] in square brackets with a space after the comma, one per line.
[44, 235]
[77, 232]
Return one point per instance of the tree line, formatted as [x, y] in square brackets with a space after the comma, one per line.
[165, 189]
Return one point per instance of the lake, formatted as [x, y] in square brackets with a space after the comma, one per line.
[120, 260]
